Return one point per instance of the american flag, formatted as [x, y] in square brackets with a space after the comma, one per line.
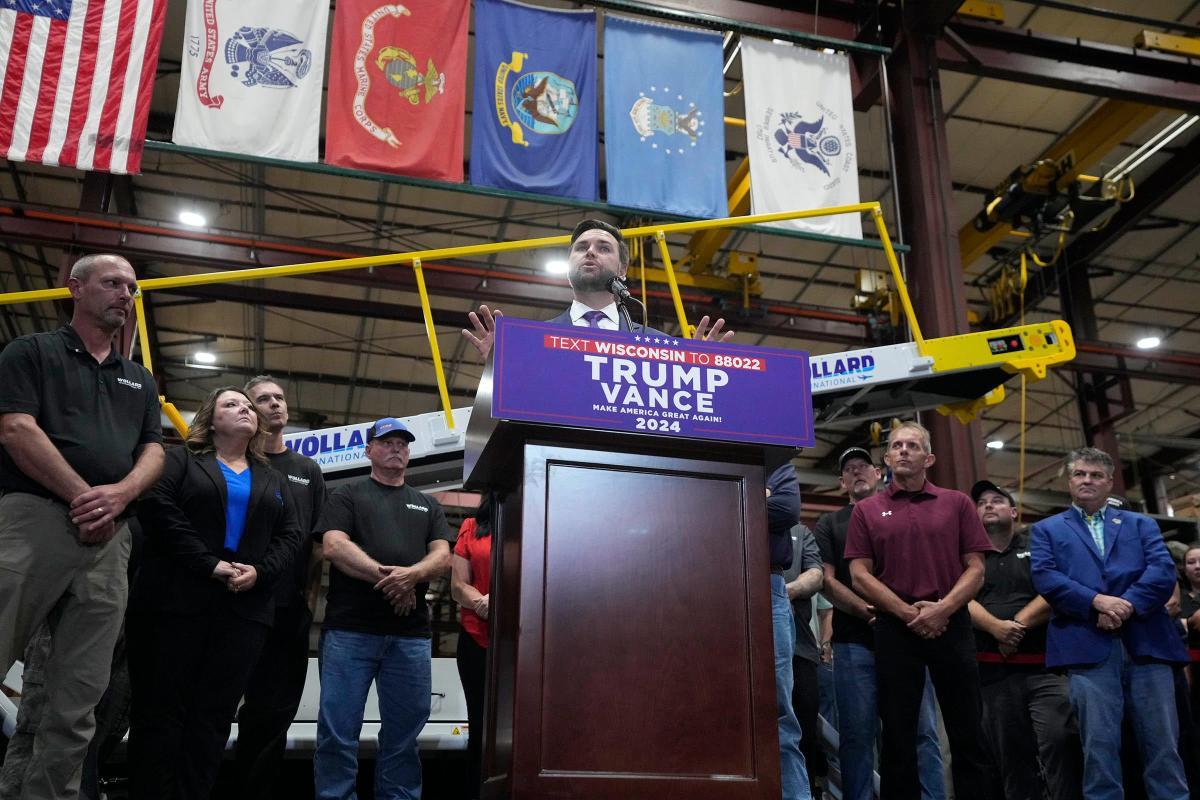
[75, 80]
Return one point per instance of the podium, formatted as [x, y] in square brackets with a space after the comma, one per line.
[631, 646]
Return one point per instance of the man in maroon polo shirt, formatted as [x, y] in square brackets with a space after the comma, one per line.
[916, 554]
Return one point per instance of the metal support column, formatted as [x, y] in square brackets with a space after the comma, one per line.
[1099, 408]
[934, 271]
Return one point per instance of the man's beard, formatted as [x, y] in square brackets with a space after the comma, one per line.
[1001, 527]
[595, 282]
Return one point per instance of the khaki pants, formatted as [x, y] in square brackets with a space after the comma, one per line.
[46, 574]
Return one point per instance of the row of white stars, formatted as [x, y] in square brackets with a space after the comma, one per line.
[656, 340]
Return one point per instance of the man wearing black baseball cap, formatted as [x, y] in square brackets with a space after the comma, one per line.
[386, 541]
[1027, 713]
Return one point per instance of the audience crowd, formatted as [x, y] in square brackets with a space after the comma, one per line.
[1057, 657]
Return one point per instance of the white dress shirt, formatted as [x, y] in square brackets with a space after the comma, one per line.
[608, 322]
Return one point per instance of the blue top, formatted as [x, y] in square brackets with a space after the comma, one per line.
[238, 500]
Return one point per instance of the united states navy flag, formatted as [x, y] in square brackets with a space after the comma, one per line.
[533, 126]
[664, 133]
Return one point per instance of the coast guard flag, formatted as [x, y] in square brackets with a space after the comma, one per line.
[533, 125]
[75, 81]
[251, 77]
[397, 87]
[664, 130]
[800, 132]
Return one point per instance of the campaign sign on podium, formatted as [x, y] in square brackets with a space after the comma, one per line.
[651, 383]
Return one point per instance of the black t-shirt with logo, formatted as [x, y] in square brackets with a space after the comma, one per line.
[393, 525]
[98, 414]
[306, 490]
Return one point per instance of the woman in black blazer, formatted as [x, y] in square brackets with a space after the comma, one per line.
[216, 541]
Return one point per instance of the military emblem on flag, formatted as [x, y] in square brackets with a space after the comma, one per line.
[662, 85]
[542, 102]
[267, 57]
[247, 62]
[650, 117]
[801, 140]
[534, 127]
[397, 87]
[810, 143]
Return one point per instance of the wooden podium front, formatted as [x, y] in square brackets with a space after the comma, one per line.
[631, 655]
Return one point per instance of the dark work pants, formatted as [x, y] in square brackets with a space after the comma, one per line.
[472, 671]
[272, 697]
[188, 673]
[1027, 717]
[901, 658]
[806, 702]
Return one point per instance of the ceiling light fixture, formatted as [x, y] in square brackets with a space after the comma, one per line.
[204, 357]
[1157, 142]
[557, 267]
[193, 219]
[995, 444]
[1148, 342]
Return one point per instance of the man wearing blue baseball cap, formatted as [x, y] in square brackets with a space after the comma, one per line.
[386, 541]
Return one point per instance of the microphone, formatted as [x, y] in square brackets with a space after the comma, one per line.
[619, 290]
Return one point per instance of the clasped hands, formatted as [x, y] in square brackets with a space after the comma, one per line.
[929, 619]
[399, 586]
[236, 577]
[95, 512]
[1111, 612]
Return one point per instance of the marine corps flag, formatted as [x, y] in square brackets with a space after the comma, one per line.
[664, 129]
[397, 87]
[800, 132]
[533, 126]
[251, 76]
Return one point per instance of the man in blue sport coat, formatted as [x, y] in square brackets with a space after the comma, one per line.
[1107, 575]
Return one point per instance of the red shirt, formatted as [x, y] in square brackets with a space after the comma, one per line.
[916, 539]
[478, 553]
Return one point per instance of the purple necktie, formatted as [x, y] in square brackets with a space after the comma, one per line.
[593, 318]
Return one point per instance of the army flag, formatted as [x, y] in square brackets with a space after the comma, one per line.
[533, 125]
[800, 134]
[664, 131]
[251, 77]
[397, 87]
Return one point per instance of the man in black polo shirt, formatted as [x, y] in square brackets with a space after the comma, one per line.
[386, 541]
[1027, 713]
[277, 683]
[79, 426]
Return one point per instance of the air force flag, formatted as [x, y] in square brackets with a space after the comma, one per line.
[664, 131]
[533, 127]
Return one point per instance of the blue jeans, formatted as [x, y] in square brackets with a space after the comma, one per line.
[401, 669]
[858, 727]
[1100, 695]
[791, 760]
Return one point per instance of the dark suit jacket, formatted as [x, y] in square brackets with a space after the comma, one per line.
[183, 517]
[565, 319]
[1069, 572]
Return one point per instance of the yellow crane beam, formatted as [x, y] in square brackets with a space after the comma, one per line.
[704, 245]
[1088, 143]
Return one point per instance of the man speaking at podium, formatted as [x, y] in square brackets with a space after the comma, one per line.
[598, 255]
[598, 260]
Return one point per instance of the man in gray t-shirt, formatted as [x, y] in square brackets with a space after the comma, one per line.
[804, 579]
[386, 541]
